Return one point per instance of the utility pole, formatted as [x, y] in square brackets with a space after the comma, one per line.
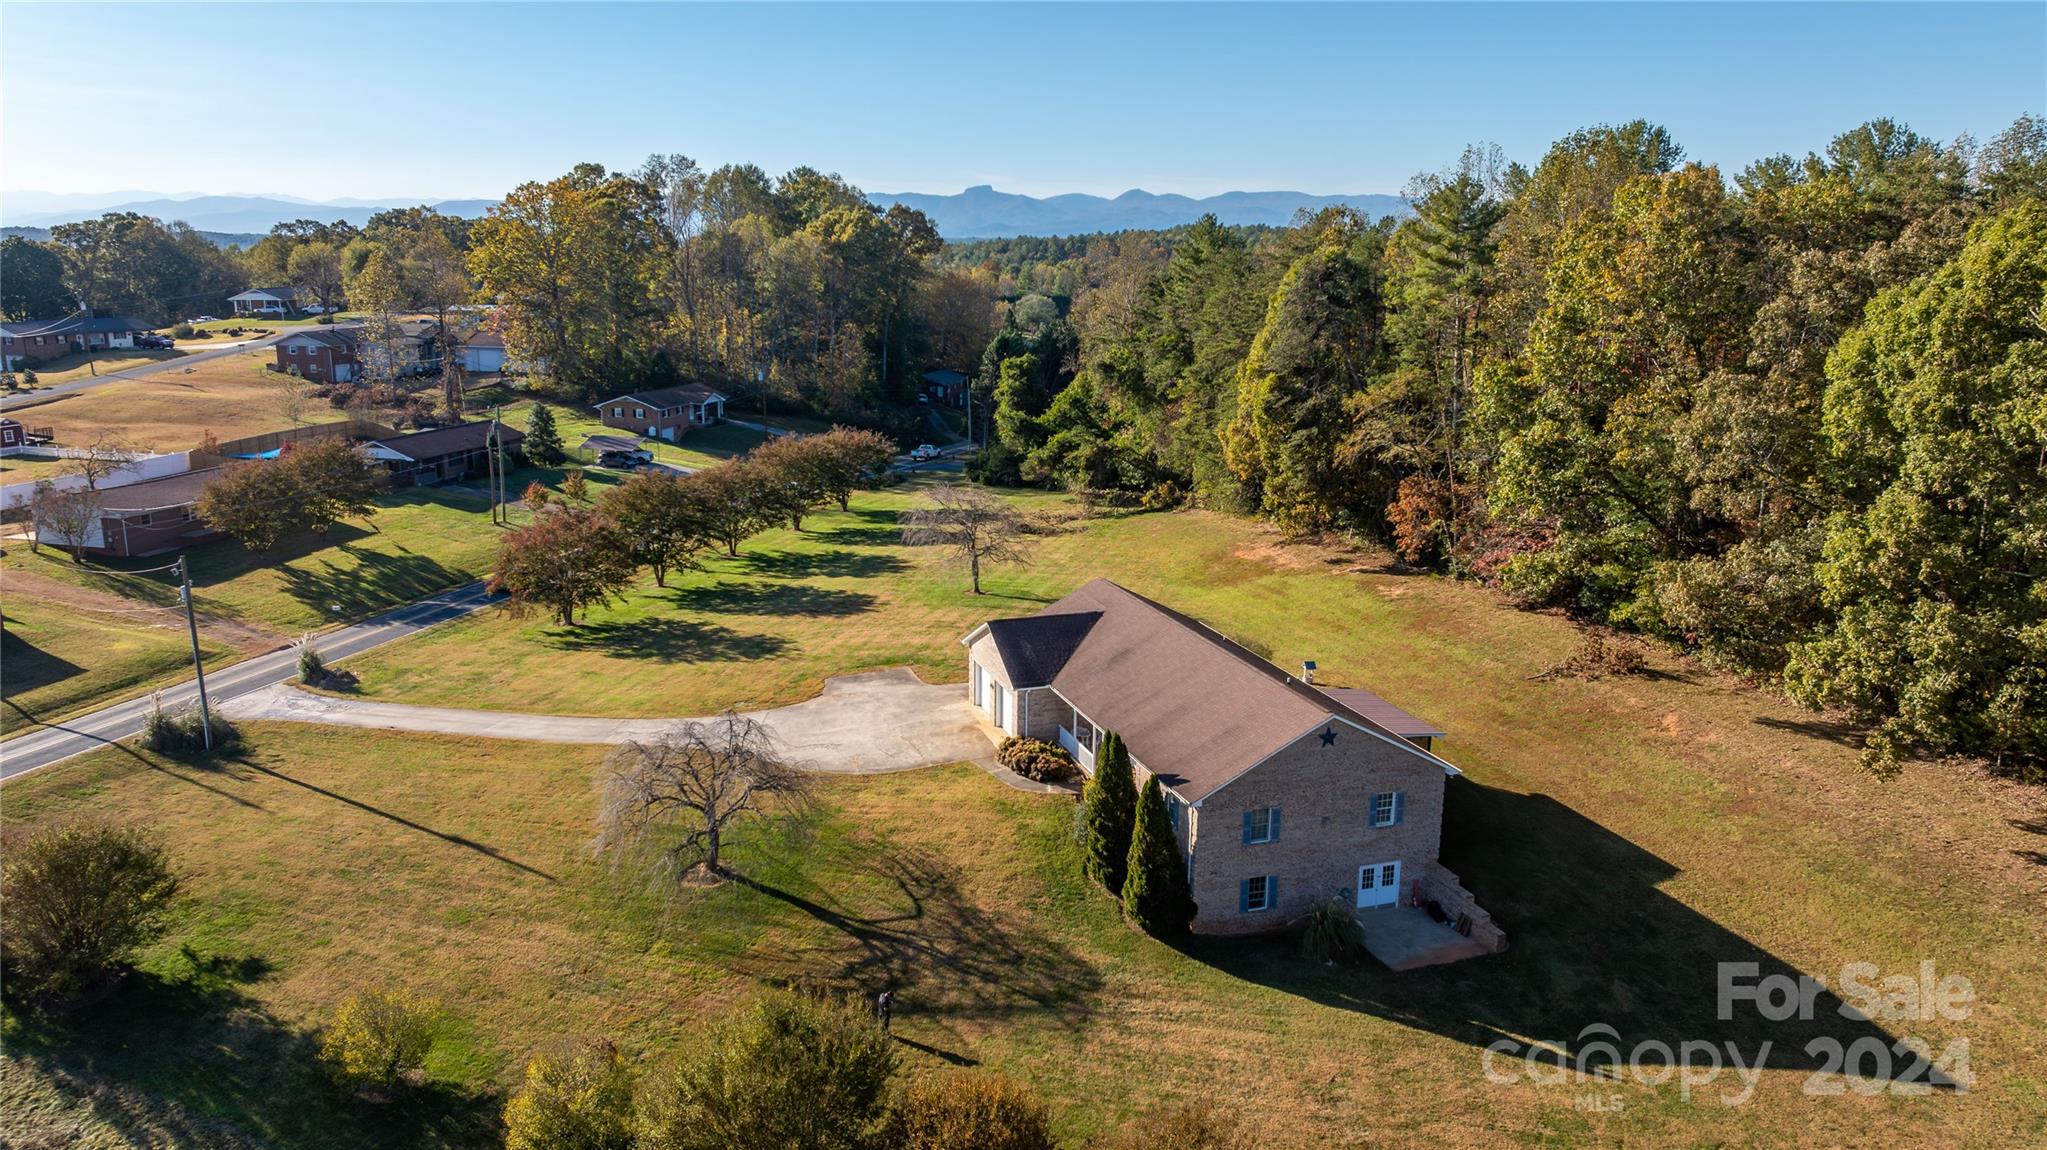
[198, 665]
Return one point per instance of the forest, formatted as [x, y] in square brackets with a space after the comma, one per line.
[1793, 418]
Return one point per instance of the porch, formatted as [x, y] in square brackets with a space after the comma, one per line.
[1406, 938]
[1078, 736]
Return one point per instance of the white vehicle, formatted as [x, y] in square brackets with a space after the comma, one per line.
[202, 319]
[922, 452]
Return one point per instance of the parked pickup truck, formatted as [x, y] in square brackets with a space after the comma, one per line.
[922, 452]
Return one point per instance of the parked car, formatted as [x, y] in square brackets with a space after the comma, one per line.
[203, 319]
[153, 341]
[922, 452]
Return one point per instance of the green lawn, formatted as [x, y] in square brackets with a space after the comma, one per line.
[323, 861]
[60, 658]
[1628, 834]
[66, 368]
[705, 447]
[767, 627]
[421, 541]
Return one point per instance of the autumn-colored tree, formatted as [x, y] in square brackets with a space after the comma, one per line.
[567, 560]
[662, 514]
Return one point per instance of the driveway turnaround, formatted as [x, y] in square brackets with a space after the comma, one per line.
[860, 724]
[52, 744]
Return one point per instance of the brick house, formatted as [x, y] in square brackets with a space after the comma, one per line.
[445, 454]
[946, 386]
[323, 356]
[146, 518]
[1283, 795]
[32, 343]
[12, 434]
[664, 413]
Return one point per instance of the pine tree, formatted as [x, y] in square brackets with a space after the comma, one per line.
[1155, 893]
[543, 442]
[1111, 802]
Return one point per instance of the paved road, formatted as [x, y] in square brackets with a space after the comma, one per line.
[123, 720]
[140, 371]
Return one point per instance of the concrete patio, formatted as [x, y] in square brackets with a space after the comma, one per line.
[1406, 938]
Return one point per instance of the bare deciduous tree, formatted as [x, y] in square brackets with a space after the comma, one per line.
[66, 515]
[974, 526]
[694, 782]
[105, 455]
[293, 394]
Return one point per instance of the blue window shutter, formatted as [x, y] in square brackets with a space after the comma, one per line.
[1247, 827]
[1244, 896]
[1272, 892]
[1272, 833]
[1399, 806]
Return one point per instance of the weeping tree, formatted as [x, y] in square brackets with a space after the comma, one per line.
[675, 797]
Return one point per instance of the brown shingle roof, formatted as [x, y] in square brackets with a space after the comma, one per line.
[1384, 713]
[423, 445]
[1195, 708]
[669, 396]
[150, 494]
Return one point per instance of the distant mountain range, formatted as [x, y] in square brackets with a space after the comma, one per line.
[977, 213]
[982, 213]
[227, 214]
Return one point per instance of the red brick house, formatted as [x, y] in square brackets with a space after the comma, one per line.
[445, 454]
[946, 386]
[1282, 795]
[12, 434]
[664, 413]
[324, 356]
[146, 518]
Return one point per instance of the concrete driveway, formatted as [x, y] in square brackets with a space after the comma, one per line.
[860, 724]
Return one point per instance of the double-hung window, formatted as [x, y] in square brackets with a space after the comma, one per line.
[1261, 825]
[1389, 808]
[1259, 893]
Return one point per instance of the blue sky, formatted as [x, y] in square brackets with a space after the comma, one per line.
[468, 99]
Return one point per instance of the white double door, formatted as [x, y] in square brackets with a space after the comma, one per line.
[1379, 884]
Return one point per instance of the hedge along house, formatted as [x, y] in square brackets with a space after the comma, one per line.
[1282, 795]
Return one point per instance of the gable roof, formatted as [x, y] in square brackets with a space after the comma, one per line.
[346, 339]
[74, 324]
[669, 396]
[152, 494]
[421, 445]
[945, 377]
[1195, 708]
[279, 293]
[1384, 713]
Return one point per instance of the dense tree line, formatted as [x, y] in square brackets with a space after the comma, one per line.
[1792, 419]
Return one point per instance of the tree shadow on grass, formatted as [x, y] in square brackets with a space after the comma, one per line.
[1593, 939]
[29, 666]
[484, 849]
[820, 564]
[666, 640]
[778, 599]
[189, 1058]
[863, 537]
[1843, 734]
[897, 918]
[376, 580]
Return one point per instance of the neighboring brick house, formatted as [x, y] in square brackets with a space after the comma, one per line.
[32, 343]
[147, 518]
[946, 386]
[1283, 795]
[664, 413]
[445, 454]
[325, 356]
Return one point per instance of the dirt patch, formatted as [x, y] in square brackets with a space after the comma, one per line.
[246, 638]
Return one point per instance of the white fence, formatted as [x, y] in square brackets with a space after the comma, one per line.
[142, 467]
